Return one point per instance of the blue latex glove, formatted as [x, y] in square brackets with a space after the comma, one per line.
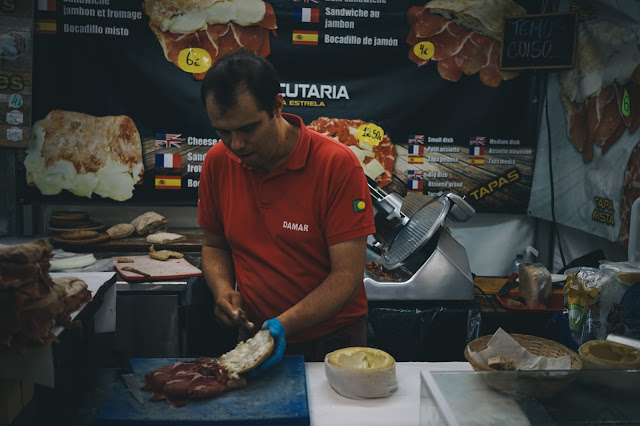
[280, 343]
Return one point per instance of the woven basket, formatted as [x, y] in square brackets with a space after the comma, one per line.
[527, 383]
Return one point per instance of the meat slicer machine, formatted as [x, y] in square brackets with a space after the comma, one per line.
[413, 256]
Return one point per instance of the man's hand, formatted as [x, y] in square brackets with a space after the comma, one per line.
[227, 302]
[280, 343]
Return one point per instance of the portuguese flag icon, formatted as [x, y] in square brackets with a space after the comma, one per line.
[358, 205]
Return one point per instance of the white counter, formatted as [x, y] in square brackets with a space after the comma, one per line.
[327, 407]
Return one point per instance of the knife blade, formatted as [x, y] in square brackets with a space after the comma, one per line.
[133, 386]
[135, 271]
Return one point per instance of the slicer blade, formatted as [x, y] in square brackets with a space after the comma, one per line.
[422, 225]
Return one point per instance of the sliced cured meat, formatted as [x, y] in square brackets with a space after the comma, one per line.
[604, 85]
[491, 75]
[462, 50]
[425, 24]
[603, 117]
[449, 69]
[449, 42]
[630, 192]
[219, 39]
[199, 378]
[345, 131]
[474, 54]
[577, 129]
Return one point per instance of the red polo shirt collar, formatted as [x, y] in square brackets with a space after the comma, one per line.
[298, 157]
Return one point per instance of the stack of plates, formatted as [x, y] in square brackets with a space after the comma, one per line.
[64, 221]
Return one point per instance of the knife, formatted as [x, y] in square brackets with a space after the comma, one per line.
[133, 386]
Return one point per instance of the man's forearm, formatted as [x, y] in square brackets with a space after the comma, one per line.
[217, 269]
[338, 288]
[333, 294]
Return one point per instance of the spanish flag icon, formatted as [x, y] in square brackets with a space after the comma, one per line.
[168, 182]
[305, 37]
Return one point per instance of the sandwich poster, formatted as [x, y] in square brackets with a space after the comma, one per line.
[592, 135]
[412, 86]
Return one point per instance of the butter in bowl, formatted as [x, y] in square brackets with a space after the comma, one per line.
[603, 354]
[360, 372]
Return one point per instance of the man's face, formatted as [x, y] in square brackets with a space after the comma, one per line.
[249, 132]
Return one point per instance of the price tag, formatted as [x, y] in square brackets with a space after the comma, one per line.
[424, 50]
[370, 133]
[625, 107]
[194, 60]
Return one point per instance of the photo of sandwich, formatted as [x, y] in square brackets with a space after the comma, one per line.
[12, 44]
[377, 161]
[601, 95]
[217, 26]
[85, 155]
[466, 37]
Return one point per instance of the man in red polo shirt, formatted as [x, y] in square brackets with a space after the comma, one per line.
[285, 212]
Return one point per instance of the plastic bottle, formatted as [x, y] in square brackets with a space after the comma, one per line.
[516, 263]
[589, 328]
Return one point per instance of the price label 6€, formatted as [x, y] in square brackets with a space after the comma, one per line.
[424, 50]
[625, 106]
[194, 60]
[370, 133]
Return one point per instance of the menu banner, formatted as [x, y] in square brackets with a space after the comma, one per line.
[16, 54]
[417, 96]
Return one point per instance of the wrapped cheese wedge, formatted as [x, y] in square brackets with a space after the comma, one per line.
[359, 372]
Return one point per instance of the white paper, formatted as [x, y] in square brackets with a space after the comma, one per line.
[504, 346]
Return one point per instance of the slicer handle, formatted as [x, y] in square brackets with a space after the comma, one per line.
[460, 210]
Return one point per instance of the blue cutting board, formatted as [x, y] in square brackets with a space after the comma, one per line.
[277, 397]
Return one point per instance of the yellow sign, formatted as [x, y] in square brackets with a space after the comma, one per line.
[194, 60]
[370, 133]
[424, 50]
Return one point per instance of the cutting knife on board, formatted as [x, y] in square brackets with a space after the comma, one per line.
[133, 386]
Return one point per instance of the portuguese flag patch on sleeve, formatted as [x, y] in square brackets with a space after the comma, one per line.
[359, 205]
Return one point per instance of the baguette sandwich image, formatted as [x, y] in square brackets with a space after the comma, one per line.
[601, 94]
[217, 26]
[85, 155]
[466, 36]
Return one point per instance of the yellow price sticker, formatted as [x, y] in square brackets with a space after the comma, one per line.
[370, 133]
[194, 60]
[424, 50]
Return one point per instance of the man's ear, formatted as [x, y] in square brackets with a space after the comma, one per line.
[278, 104]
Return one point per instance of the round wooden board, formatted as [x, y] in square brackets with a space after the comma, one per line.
[100, 238]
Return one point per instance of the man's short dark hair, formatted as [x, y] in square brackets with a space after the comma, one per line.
[238, 71]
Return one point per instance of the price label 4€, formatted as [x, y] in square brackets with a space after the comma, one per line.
[194, 60]
[424, 50]
[370, 133]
